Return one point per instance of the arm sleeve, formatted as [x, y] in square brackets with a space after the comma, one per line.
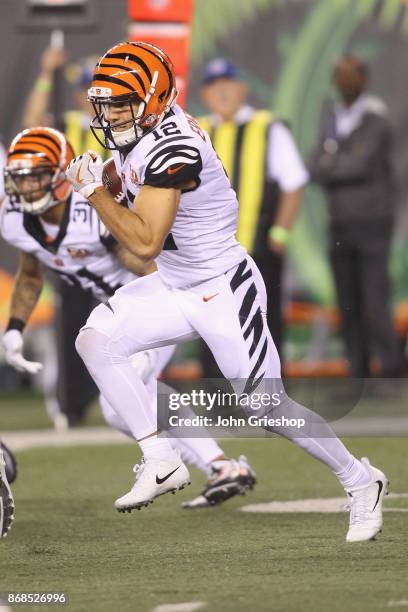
[284, 164]
[172, 165]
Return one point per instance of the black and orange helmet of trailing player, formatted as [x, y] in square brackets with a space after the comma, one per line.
[34, 174]
[135, 76]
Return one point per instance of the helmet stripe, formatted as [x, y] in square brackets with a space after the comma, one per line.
[33, 134]
[161, 59]
[49, 152]
[128, 70]
[35, 137]
[26, 152]
[40, 145]
[50, 138]
[111, 79]
[132, 57]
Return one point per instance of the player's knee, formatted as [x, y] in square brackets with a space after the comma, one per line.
[88, 344]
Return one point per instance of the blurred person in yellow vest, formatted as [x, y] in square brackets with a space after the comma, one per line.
[263, 164]
[74, 123]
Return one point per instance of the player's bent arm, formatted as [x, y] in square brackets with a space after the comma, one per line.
[27, 287]
[142, 230]
[133, 262]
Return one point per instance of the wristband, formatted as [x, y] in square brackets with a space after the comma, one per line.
[279, 234]
[15, 323]
[43, 85]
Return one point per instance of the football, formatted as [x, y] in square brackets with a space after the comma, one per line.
[112, 182]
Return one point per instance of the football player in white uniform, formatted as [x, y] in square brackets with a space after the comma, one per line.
[55, 228]
[183, 214]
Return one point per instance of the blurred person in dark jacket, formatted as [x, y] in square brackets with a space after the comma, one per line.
[353, 165]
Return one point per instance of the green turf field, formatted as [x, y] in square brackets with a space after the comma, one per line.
[67, 537]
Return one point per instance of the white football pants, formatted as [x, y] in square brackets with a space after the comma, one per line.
[229, 313]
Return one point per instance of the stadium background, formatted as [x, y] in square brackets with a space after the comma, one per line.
[286, 51]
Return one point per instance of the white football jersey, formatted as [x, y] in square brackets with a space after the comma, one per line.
[81, 252]
[202, 243]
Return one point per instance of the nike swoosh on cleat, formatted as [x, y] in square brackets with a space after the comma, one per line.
[380, 488]
[161, 480]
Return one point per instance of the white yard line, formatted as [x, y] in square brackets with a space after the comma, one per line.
[319, 504]
[49, 438]
[188, 606]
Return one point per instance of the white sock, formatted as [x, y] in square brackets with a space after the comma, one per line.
[157, 447]
[355, 477]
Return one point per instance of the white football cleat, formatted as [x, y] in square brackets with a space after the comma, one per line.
[6, 500]
[365, 505]
[154, 477]
[228, 478]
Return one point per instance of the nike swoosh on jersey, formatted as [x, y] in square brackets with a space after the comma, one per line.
[161, 480]
[176, 169]
[210, 297]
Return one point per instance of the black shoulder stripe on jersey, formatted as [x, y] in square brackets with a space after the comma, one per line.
[169, 160]
[183, 175]
[172, 155]
[174, 167]
[166, 142]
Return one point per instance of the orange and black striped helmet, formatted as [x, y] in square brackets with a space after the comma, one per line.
[138, 74]
[35, 169]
